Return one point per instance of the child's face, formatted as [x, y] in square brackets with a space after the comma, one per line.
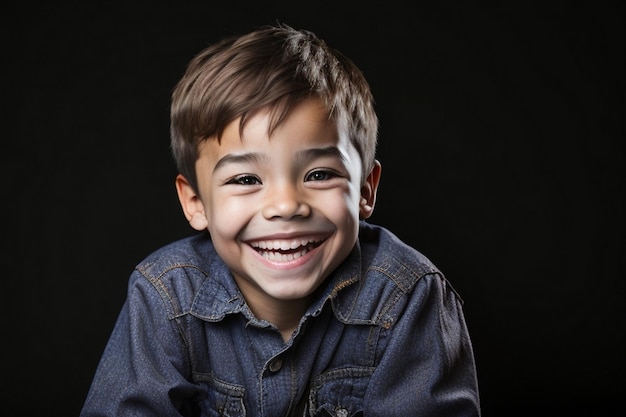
[283, 212]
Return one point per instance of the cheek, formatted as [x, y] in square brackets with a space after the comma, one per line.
[226, 218]
[342, 210]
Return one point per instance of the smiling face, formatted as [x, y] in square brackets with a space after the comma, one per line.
[283, 211]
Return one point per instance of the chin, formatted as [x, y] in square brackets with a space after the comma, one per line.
[291, 295]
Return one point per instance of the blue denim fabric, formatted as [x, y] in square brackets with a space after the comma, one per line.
[386, 337]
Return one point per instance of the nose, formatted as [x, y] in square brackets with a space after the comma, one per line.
[285, 201]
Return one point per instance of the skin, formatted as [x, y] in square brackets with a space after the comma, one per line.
[283, 211]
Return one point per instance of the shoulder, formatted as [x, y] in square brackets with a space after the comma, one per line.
[194, 252]
[392, 274]
[383, 251]
[178, 271]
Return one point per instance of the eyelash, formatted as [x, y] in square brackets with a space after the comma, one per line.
[247, 179]
[327, 174]
[244, 179]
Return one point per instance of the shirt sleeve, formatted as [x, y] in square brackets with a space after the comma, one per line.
[144, 365]
[428, 367]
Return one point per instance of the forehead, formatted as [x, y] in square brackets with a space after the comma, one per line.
[307, 124]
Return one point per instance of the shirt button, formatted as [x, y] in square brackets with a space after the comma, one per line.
[275, 365]
[341, 412]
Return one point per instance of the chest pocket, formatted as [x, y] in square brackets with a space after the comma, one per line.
[222, 399]
[339, 393]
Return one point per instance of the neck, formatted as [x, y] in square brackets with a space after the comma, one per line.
[284, 314]
[287, 315]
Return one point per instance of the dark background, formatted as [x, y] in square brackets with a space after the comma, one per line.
[502, 144]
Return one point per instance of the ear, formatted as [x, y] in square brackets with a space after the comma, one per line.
[368, 191]
[191, 204]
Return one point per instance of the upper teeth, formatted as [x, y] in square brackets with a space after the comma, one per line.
[281, 244]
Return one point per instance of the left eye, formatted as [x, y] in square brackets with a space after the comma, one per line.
[319, 176]
[245, 180]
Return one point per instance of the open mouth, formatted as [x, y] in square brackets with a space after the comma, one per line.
[285, 250]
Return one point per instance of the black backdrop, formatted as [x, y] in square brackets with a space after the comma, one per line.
[502, 144]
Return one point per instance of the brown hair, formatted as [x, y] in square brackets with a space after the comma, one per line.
[275, 66]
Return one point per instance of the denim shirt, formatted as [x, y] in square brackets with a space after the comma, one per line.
[386, 336]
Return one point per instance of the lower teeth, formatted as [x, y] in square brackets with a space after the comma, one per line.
[283, 257]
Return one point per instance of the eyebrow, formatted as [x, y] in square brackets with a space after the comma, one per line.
[251, 157]
[256, 157]
[315, 153]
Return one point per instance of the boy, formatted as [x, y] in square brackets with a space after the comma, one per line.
[287, 303]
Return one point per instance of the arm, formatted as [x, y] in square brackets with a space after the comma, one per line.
[142, 370]
[428, 366]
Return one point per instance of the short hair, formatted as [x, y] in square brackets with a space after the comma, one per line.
[271, 67]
